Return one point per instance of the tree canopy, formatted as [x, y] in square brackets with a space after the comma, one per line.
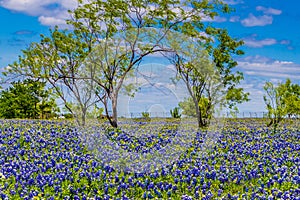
[207, 74]
[108, 39]
[27, 99]
[281, 101]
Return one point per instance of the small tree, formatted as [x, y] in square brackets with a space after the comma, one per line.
[281, 101]
[145, 115]
[27, 99]
[95, 112]
[189, 109]
[56, 59]
[175, 113]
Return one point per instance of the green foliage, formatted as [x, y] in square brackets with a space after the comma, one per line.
[57, 59]
[68, 115]
[207, 71]
[146, 115]
[27, 99]
[188, 107]
[142, 33]
[234, 96]
[281, 101]
[95, 112]
[107, 40]
[175, 113]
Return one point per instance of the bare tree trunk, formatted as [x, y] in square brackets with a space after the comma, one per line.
[114, 102]
[83, 117]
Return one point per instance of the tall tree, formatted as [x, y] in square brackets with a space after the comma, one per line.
[207, 72]
[127, 31]
[121, 33]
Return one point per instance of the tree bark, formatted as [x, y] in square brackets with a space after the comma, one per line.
[198, 113]
[114, 102]
[83, 117]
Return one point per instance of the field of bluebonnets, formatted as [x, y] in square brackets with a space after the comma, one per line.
[49, 160]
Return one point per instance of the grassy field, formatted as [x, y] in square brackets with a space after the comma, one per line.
[238, 159]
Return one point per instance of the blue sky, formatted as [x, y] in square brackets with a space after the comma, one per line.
[270, 29]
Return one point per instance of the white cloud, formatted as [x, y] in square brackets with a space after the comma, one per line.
[54, 12]
[50, 12]
[263, 20]
[258, 70]
[268, 68]
[51, 21]
[258, 59]
[215, 19]
[69, 4]
[253, 42]
[233, 2]
[32, 7]
[257, 20]
[268, 11]
[272, 74]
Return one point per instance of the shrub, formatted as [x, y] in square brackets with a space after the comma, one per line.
[175, 113]
[146, 115]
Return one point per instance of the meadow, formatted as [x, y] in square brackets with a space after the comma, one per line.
[57, 160]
